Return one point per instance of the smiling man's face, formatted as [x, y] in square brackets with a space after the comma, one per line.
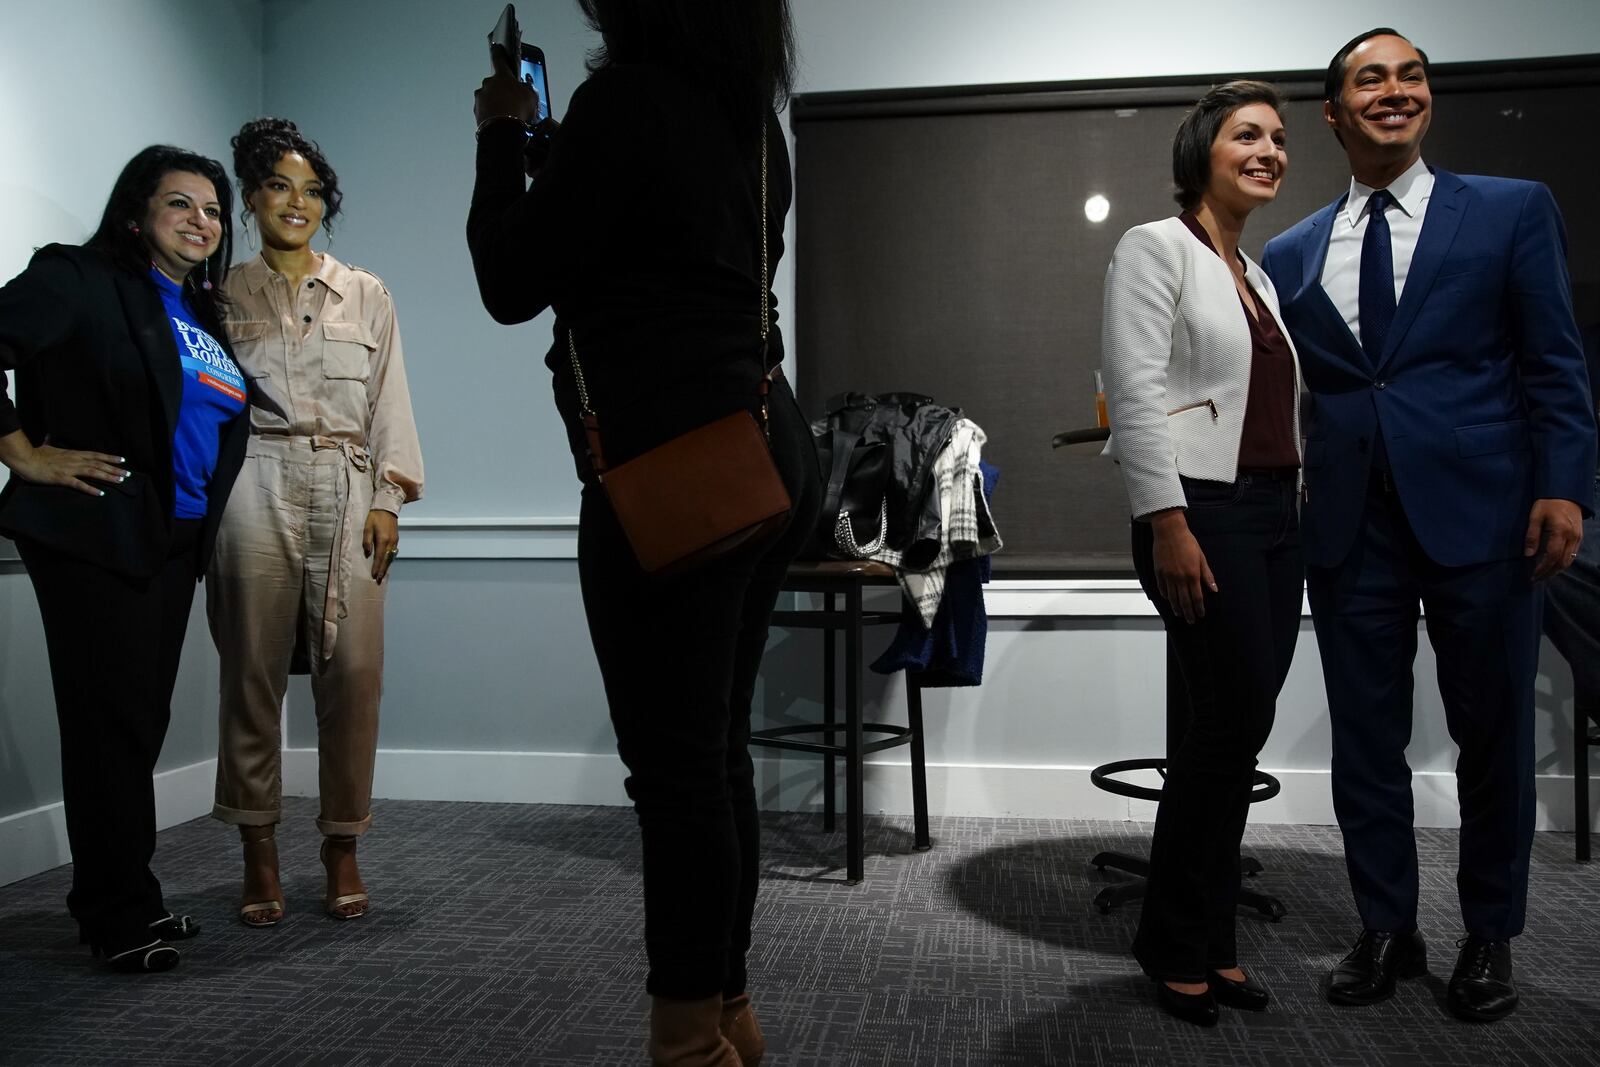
[1384, 104]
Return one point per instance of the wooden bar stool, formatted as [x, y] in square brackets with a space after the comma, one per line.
[848, 579]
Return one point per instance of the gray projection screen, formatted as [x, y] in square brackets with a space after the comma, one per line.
[942, 247]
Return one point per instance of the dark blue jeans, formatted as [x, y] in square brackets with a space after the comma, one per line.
[1234, 662]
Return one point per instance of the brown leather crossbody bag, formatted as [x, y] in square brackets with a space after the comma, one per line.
[704, 493]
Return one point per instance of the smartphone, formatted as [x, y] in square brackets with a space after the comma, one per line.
[507, 34]
[532, 72]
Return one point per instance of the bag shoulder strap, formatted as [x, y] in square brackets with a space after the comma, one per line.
[591, 421]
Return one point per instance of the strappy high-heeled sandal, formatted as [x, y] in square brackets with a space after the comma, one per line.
[336, 906]
[263, 912]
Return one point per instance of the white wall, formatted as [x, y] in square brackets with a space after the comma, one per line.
[891, 44]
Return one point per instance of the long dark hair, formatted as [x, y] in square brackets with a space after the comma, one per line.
[258, 146]
[130, 199]
[742, 49]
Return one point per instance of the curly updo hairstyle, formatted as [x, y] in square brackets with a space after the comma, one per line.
[258, 146]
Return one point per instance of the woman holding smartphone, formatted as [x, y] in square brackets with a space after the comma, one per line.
[1203, 390]
[313, 528]
[653, 229]
[123, 446]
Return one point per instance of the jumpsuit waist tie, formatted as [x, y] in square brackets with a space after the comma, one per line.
[357, 457]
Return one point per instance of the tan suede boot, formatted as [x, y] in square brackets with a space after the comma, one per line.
[743, 1032]
[683, 1033]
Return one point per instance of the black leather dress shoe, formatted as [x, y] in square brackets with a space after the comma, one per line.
[1248, 995]
[1197, 1008]
[1379, 959]
[1481, 989]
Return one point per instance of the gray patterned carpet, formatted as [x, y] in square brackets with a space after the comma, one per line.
[507, 934]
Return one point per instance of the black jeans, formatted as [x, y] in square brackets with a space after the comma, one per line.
[1234, 661]
[114, 644]
[679, 658]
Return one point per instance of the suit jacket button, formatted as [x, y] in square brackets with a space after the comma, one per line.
[1380, 385]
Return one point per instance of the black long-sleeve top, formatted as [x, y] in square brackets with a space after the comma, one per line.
[642, 231]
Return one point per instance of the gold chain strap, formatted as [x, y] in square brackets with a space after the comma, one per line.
[572, 348]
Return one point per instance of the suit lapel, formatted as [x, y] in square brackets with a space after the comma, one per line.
[152, 335]
[1314, 249]
[1313, 298]
[1445, 207]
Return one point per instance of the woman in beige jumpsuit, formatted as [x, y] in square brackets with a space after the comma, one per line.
[312, 526]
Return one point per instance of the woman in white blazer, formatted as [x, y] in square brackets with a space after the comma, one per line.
[1204, 391]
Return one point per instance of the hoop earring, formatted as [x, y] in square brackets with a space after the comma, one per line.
[249, 234]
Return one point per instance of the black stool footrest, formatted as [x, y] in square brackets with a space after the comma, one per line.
[783, 737]
[1263, 786]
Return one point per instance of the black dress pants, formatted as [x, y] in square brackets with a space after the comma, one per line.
[114, 644]
[679, 658]
[1234, 662]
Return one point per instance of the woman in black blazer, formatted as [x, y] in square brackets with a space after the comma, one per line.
[123, 443]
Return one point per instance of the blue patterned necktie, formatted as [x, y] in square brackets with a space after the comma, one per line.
[1375, 303]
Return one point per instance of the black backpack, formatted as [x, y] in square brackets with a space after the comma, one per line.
[876, 455]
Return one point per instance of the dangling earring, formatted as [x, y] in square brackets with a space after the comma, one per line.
[133, 227]
[205, 269]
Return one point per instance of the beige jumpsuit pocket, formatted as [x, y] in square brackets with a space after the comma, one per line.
[347, 351]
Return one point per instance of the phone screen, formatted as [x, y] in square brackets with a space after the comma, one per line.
[533, 74]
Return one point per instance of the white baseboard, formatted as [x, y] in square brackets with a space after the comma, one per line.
[36, 840]
[794, 784]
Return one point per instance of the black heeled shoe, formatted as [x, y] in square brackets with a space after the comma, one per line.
[1197, 1008]
[175, 927]
[144, 959]
[1248, 995]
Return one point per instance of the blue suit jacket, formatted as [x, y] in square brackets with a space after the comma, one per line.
[1481, 391]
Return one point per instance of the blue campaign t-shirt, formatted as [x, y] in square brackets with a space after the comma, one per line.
[213, 393]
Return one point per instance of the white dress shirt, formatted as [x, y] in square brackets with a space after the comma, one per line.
[1341, 271]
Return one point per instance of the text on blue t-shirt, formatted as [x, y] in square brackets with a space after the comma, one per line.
[213, 393]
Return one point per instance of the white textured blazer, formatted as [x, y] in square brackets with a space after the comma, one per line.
[1175, 355]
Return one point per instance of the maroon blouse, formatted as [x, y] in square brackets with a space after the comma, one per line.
[1267, 441]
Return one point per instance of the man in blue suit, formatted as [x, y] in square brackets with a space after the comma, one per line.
[1448, 460]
